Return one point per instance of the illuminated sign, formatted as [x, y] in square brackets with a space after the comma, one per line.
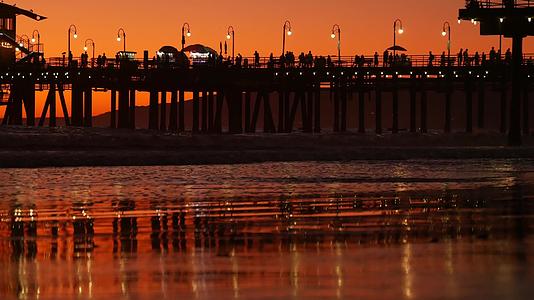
[6, 45]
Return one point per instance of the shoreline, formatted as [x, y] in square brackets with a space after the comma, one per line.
[22, 147]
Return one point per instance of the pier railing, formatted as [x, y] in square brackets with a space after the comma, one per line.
[317, 61]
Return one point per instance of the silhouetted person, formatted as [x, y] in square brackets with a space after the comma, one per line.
[508, 56]
[376, 59]
[493, 54]
[442, 60]
[466, 57]
[256, 59]
[329, 61]
[385, 58]
[460, 57]
[477, 59]
[271, 60]
[70, 58]
[484, 59]
[430, 59]
[104, 60]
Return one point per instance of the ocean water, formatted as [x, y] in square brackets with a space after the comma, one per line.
[430, 229]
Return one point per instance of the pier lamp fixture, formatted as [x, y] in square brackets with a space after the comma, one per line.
[38, 39]
[286, 29]
[400, 31]
[24, 38]
[336, 31]
[123, 38]
[447, 32]
[184, 33]
[92, 43]
[231, 35]
[74, 32]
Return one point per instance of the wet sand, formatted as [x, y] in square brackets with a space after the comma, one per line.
[62, 147]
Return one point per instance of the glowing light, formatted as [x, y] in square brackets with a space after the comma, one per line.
[401, 31]
[529, 19]
[84, 48]
[118, 39]
[21, 45]
[188, 34]
[75, 36]
[228, 37]
[289, 32]
[333, 35]
[33, 40]
[443, 33]
[501, 20]
[459, 21]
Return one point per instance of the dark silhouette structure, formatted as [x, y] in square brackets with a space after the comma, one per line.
[512, 19]
[8, 32]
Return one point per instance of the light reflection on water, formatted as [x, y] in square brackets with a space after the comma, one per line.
[288, 230]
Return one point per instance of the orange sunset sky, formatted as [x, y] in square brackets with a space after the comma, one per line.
[366, 26]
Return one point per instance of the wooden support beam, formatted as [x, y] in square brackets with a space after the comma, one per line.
[132, 108]
[211, 110]
[361, 110]
[173, 117]
[77, 105]
[424, 110]
[281, 111]
[63, 104]
[29, 104]
[309, 104]
[304, 111]
[526, 107]
[448, 111]
[113, 111]
[336, 91]
[255, 114]
[88, 108]
[52, 122]
[481, 105]
[16, 112]
[395, 108]
[204, 111]
[413, 105]
[247, 110]
[218, 111]
[181, 111]
[163, 110]
[293, 112]
[7, 112]
[504, 106]
[378, 106]
[47, 105]
[343, 108]
[317, 109]
[268, 120]
[124, 108]
[153, 110]
[196, 108]
[468, 107]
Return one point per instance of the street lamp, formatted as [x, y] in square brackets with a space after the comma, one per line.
[336, 29]
[231, 35]
[93, 46]
[22, 39]
[447, 32]
[186, 25]
[75, 35]
[287, 28]
[123, 38]
[401, 31]
[38, 39]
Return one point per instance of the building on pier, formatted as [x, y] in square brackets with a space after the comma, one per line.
[8, 32]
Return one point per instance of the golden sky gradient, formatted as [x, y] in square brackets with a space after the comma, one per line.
[367, 26]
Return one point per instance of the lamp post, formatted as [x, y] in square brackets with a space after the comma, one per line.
[447, 32]
[21, 44]
[287, 28]
[231, 35]
[75, 35]
[501, 20]
[123, 38]
[336, 31]
[38, 39]
[188, 33]
[93, 46]
[399, 22]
